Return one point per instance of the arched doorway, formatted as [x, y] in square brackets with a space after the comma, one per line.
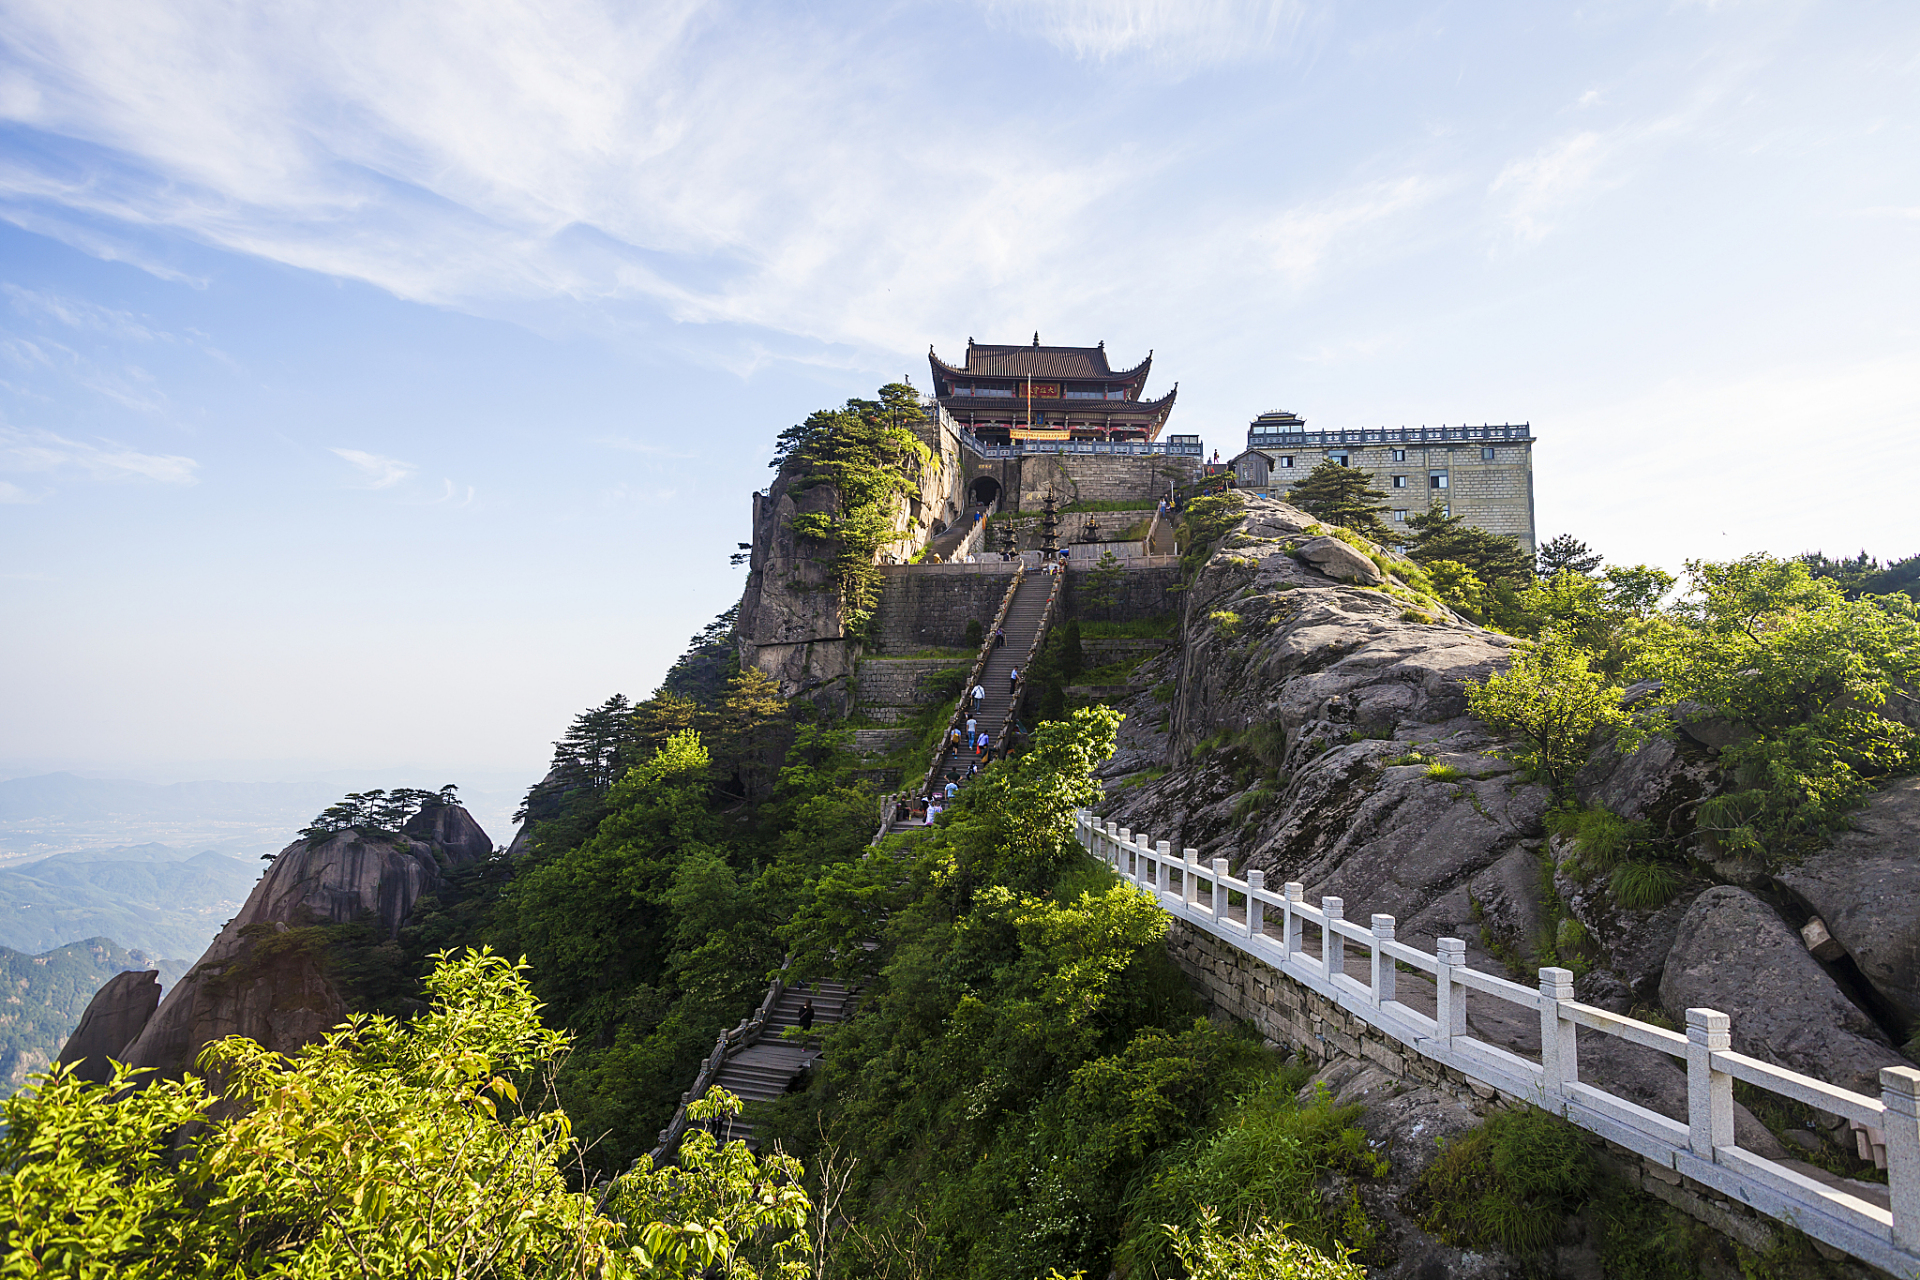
[984, 491]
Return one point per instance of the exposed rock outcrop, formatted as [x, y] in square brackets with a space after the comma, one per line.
[1336, 705]
[118, 1012]
[257, 982]
[1867, 890]
[1734, 954]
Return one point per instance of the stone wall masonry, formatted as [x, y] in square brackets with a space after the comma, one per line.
[926, 606]
[1310, 976]
[1145, 592]
[903, 682]
[1098, 478]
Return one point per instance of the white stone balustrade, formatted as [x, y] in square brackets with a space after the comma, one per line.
[1272, 928]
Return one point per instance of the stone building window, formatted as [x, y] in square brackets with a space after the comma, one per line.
[1399, 482]
[1486, 453]
[1399, 455]
[1340, 458]
[1286, 460]
[1400, 515]
[1437, 480]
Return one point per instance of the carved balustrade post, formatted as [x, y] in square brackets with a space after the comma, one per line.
[1384, 987]
[1709, 1092]
[1450, 998]
[1333, 947]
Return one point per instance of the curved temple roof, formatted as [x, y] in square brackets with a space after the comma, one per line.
[992, 361]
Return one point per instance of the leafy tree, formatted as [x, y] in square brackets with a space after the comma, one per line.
[1263, 1251]
[1459, 588]
[717, 1210]
[1565, 551]
[1493, 557]
[377, 812]
[1607, 615]
[385, 1149]
[1808, 676]
[1553, 700]
[1344, 496]
[1865, 575]
[709, 662]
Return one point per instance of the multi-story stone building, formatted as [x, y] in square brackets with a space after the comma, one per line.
[1482, 474]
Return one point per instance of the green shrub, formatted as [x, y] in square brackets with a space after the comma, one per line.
[1641, 886]
[1601, 839]
[1265, 1160]
[975, 633]
[1415, 615]
[1409, 758]
[1508, 1184]
[1444, 772]
[1226, 623]
[1164, 691]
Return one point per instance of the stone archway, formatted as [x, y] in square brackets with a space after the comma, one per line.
[984, 491]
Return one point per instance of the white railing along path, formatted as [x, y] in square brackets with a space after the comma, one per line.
[1273, 927]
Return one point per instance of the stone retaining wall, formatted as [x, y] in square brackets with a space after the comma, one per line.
[1239, 986]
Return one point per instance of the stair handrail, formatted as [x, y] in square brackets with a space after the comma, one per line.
[730, 1042]
[1033, 654]
[974, 677]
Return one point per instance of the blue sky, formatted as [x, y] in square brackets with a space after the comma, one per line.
[380, 384]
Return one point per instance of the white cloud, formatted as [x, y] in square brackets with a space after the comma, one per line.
[44, 451]
[13, 493]
[1182, 33]
[1543, 186]
[376, 471]
[1301, 238]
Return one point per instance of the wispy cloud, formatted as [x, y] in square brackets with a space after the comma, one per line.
[76, 313]
[13, 493]
[1301, 238]
[1182, 33]
[376, 471]
[32, 450]
[1541, 187]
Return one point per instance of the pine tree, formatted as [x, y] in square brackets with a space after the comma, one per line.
[1493, 557]
[1566, 552]
[1341, 495]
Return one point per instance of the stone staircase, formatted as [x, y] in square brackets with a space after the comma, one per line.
[1025, 616]
[765, 1069]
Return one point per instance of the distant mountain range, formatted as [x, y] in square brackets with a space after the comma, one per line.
[149, 897]
[47, 993]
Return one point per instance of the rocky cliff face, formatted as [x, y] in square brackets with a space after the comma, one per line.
[791, 624]
[112, 1019]
[254, 980]
[1314, 725]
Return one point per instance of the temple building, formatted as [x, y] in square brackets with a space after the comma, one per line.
[1005, 394]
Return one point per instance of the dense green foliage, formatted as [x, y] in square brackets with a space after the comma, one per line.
[385, 1149]
[1344, 496]
[869, 455]
[1553, 702]
[1806, 675]
[1026, 1054]
[1864, 575]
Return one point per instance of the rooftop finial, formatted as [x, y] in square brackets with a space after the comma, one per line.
[1036, 337]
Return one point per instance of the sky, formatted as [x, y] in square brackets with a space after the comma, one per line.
[381, 384]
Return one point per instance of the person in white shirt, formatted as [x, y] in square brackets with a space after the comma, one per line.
[979, 695]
